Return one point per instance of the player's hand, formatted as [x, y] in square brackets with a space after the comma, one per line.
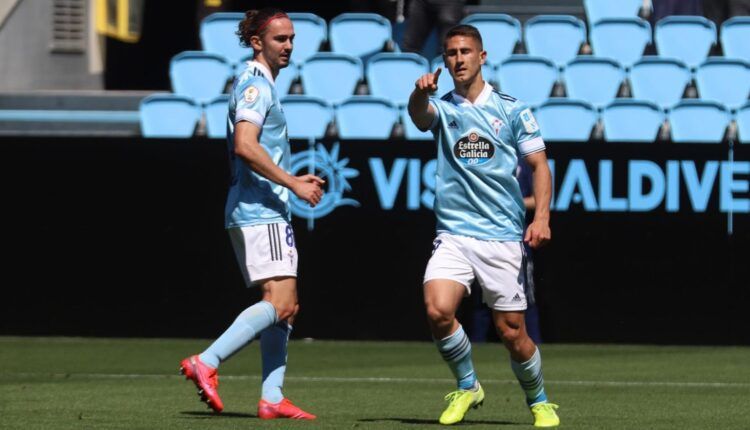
[538, 234]
[427, 83]
[309, 188]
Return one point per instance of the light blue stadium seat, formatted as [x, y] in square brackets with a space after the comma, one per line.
[199, 75]
[698, 121]
[169, 115]
[724, 80]
[593, 80]
[659, 80]
[306, 117]
[445, 81]
[597, 10]
[628, 120]
[283, 81]
[359, 34]
[566, 120]
[411, 132]
[366, 117]
[529, 79]
[735, 33]
[310, 31]
[621, 39]
[218, 35]
[557, 37]
[500, 34]
[216, 117]
[330, 76]
[743, 123]
[686, 38]
[391, 75]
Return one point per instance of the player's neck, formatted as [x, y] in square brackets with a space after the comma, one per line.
[261, 60]
[471, 90]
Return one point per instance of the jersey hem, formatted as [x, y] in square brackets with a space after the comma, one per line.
[487, 238]
[252, 223]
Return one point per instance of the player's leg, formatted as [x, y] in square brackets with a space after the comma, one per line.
[282, 293]
[446, 283]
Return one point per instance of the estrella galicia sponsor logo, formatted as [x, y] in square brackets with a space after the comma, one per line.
[473, 149]
[336, 174]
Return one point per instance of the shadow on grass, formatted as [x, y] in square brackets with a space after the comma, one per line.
[207, 414]
[422, 422]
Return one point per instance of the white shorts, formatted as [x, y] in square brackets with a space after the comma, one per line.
[264, 251]
[497, 266]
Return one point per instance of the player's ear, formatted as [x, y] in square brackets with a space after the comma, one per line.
[256, 43]
[482, 57]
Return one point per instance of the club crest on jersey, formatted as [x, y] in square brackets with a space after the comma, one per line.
[251, 94]
[497, 124]
[474, 149]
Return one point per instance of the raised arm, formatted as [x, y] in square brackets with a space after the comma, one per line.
[420, 110]
[248, 148]
[538, 233]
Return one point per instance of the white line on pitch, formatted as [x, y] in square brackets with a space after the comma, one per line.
[385, 380]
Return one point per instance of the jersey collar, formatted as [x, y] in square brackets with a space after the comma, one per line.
[263, 69]
[482, 99]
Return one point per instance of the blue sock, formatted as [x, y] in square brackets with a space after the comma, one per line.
[530, 377]
[456, 351]
[243, 330]
[273, 343]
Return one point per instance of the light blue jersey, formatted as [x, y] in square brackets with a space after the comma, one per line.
[476, 191]
[252, 198]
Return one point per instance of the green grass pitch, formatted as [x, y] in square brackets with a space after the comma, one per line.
[60, 383]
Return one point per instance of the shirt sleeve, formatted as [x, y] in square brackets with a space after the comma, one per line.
[254, 99]
[526, 131]
[436, 120]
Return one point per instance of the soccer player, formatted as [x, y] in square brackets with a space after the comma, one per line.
[258, 216]
[481, 134]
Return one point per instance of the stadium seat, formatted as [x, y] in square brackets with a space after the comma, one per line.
[628, 120]
[391, 75]
[621, 39]
[698, 121]
[529, 79]
[283, 81]
[659, 80]
[500, 34]
[199, 75]
[566, 120]
[306, 117]
[557, 37]
[310, 31]
[723, 80]
[218, 35]
[359, 34]
[597, 10]
[169, 115]
[735, 32]
[332, 77]
[686, 38]
[366, 117]
[411, 132]
[216, 117]
[593, 80]
[743, 123]
[445, 81]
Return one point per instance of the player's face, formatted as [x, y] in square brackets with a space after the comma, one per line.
[277, 43]
[464, 58]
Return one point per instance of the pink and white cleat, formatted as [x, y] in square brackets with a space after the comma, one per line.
[205, 378]
[283, 409]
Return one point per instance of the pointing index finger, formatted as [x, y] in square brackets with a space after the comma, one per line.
[436, 75]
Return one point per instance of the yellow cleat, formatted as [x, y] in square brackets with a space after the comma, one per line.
[459, 403]
[545, 415]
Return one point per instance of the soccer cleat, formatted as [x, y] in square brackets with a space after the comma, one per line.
[459, 403]
[545, 415]
[206, 380]
[283, 409]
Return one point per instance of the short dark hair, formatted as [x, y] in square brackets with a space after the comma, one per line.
[256, 21]
[464, 30]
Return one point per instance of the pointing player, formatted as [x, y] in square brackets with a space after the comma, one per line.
[481, 134]
[258, 217]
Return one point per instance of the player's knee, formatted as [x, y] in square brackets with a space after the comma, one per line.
[511, 336]
[286, 310]
[438, 317]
